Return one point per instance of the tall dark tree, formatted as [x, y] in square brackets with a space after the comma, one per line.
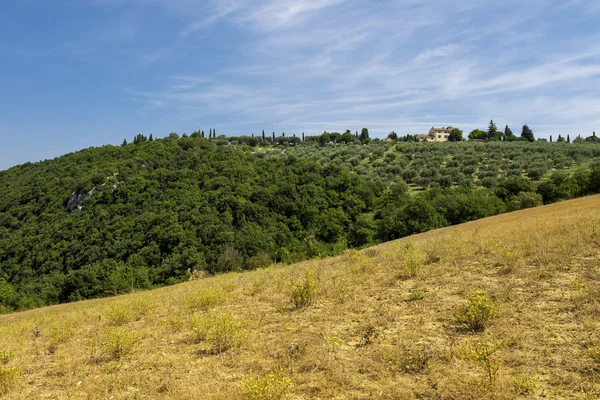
[210, 134]
[273, 138]
[393, 135]
[364, 134]
[492, 130]
[508, 132]
[263, 134]
[303, 136]
[124, 142]
[527, 133]
[550, 138]
[568, 139]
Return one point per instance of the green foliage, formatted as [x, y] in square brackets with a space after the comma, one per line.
[477, 313]
[272, 386]
[527, 133]
[304, 292]
[120, 343]
[116, 219]
[219, 332]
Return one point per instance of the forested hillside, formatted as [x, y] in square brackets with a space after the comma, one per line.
[113, 219]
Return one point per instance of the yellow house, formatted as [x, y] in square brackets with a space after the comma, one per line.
[439, 134]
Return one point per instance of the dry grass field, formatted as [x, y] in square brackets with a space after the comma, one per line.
[502, 308]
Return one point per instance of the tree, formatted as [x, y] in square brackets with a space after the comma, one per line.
[527, 133]
[492, 130]
[324, 139]
[560, 139]
[124, 143]
[150, 138]
[568, 139]
[550, 138]
[455, 135]
[347, 138]
[273, 138]
[335, 137]
[263, 134]
[508, 132]
[393, 135]
[210, 134]
[477, 134]
[364, 134]
[303, 136]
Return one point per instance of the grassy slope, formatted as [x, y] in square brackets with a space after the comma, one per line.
[540, 266]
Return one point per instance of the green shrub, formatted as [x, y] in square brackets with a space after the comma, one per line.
[120, 343]
[477, 313]
[205, 298]
[413, 260]
[119, 315]
[220, 333]
[304, 293]
[273, 386]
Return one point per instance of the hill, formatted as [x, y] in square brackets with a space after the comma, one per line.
[502, 308]
[115, 219]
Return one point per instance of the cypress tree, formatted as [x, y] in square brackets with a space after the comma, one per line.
[124, 142]
[263, 134]
[303, 136]
[550, 138]
[214, 133]
[273, 141]
[210, 133]
[150, 138]
[202, 134]
[568, 139]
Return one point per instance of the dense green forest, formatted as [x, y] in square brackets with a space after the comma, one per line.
[109, 220]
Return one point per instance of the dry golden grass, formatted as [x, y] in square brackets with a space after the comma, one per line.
[380, 323]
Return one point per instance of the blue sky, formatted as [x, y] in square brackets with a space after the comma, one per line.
[80, 73]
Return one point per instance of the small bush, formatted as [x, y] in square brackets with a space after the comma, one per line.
[478, 313]
[220, 333]
[483, 355]
[119, 315]
[413, 261]
[120, 343]
[9, 376]
[205, 298]
[304, 293]
[273, 386]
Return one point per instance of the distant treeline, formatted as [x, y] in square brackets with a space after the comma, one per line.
[109, 220]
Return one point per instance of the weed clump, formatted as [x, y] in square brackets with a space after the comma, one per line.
[483, 355]
[206, 298]
[9, 377]
[272, 386]
[477, 313]
[413, 261]
[304, 293]
[409, 360]
[418, 294]
[220, 333]
[5, 356]
[119, 315]
[120, 343]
